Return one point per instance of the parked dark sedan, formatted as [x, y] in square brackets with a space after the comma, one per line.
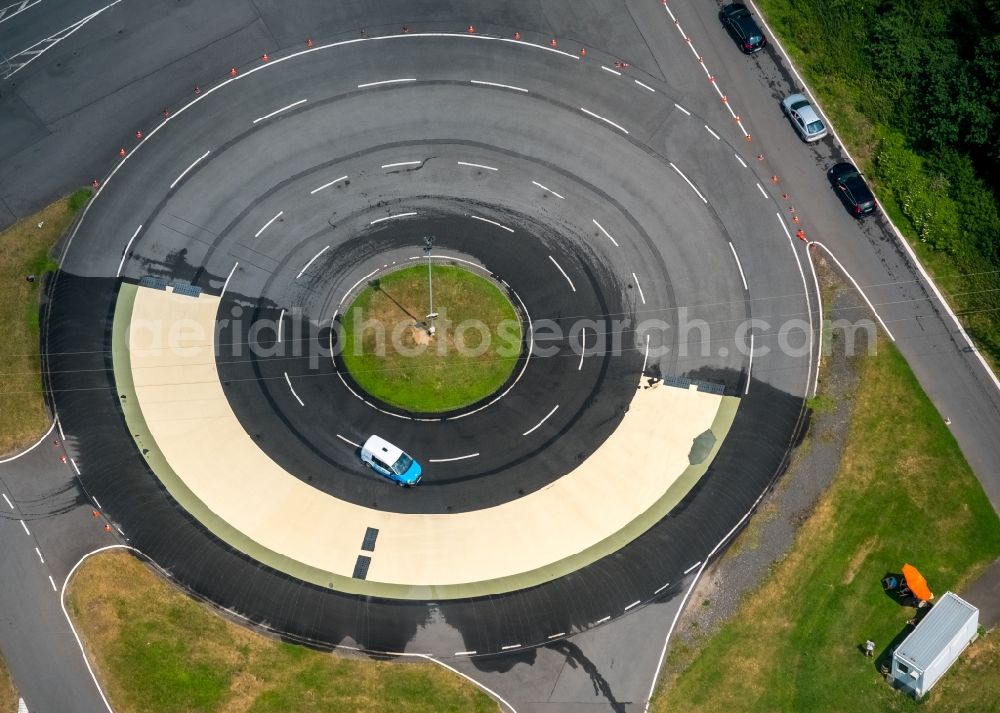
[741, 25]
[852, 189]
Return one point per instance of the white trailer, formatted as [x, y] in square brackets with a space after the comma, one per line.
[934, 644]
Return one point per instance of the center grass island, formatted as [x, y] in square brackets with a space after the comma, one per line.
[387, 347]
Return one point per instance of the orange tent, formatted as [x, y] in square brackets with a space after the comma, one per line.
[916, 582]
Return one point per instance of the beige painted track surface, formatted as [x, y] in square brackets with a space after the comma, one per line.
[189, 418]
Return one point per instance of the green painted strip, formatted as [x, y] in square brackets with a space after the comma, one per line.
[217, 526]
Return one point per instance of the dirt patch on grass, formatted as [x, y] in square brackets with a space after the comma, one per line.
[159, 651]
[24, 251]
[8, 694]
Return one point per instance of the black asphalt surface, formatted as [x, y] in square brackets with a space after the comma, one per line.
[63, 118]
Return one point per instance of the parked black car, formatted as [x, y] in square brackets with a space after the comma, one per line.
[852, 189]
[737, 20]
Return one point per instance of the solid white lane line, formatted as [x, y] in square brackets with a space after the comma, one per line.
[29, 449]
[644, 86]
[682, 109]
[645, 357]
[268, 223]
[58, 423]
[740, 266]
[6, 13]
[476, 165]
[449, 460]
[601, 621]
[225, 285]
[278, 111]
[559, 267]
[661, 588]
[605, 120]
[538, 425]
[39, 553]
[717, 137]
[556, 636]
[545, 188]
[185, 171]
[613, 71]
[281, 324]
[641, 296]
[385, 81]
[53, 583]
[509, 647]
[857, 287]
[606, 233]
[805, 290]
[75, 466]
[342, 299]
[9, 503]
[26, 530]
[501, 86]
[347, 440]
[688, 181]
[689, 569]
[391, 217]
[749, 366]
[761, 189]
[125, 254]
[289, 382]
[314, 258]
[633, 604]
[819, 311]
[742, 162]
[583, 347]
[327, 185]
[492, 222]
[401, 163]
[464, 653]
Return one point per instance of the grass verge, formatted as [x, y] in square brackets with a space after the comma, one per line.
[903, 493]
[24, 250]
[158, 651]
[8, 694]
[475, 349]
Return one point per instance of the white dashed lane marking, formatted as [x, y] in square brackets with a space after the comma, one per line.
[268, 223]
[327, 185]
[492, 222]
[278, 111]
[545, 188]
[605, 120]
[499, 86]
[448, 460]
[289, 382]
[639, 287]
[606, 233]
[347, 440]
[185, 171]
[740, 266]
[538, 425]
[559, 267]
[476, 165]
[688, 181]
[392, 217]
[308, 264]
[385, 81]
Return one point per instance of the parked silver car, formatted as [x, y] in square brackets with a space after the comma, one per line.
[804, 117]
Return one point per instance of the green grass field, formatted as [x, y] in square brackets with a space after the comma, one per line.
[903, 493]
[158, 651]
[24, 250]
[454, 368]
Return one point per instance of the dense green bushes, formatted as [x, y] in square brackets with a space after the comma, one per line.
[912, 86]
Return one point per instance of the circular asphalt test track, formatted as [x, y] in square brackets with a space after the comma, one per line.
[592, 196]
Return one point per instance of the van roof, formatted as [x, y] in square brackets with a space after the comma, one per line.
[386, 452]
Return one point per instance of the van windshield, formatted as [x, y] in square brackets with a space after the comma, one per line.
[402, 465]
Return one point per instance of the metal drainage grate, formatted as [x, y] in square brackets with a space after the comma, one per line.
[156, 283]
[361, 567]
[368, 545]
[186, 288]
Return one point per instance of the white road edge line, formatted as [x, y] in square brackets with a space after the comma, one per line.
[225, 285]
[97, 503]
[805, 290]
[75, 466]
[464, 653]
[37, 443]
[613, 71]
[314, 258]
[639, 287]
[749, 366]
[290, 388]
[538, 425]
[606, 233]
[476, 165]
[185, 171]
[508, 647]
[688, 181]
[645, 357]
[278, 111]
[327, 185]
[471, 680]
[740, 266]
[391, 217]
[492, 222]
[644, 86]
[281, 324]
[819, 311]
[501, 86]
[682, 108]
[601, 621]
[546, 188]
[857, 287]
[385, 81]
[346, 440]
[583, 347]
[401, 163]
[449, 460]
[268, 223]
[605, 120]
[559, 267]
[62, 435]
[761, 189]
[689, 569]
[717, 137]
[125, 254]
